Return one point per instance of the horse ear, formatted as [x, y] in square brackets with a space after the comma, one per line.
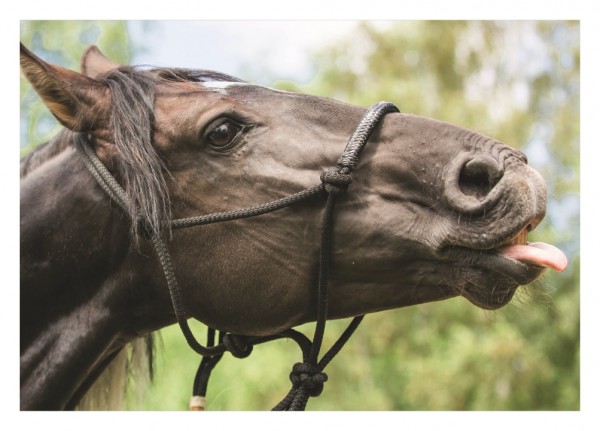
[94, 63]
[77, 101]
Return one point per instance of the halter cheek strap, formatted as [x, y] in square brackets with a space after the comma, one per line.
[307, 377]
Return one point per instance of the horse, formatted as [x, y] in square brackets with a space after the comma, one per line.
[433, 211]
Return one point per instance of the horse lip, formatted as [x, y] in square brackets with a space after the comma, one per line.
[520, 238]
[498, 276]
[519, 272]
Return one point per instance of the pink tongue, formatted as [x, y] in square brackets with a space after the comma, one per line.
[538, 253]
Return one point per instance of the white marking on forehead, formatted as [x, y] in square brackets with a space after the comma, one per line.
[222, 86]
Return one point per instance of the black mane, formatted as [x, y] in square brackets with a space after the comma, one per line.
[193, 75]
[139, 168]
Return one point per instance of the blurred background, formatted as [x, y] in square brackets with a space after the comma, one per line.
[517, 81]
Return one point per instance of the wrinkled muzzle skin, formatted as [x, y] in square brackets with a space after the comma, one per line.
[443, 200]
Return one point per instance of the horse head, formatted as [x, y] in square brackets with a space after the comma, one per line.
[434, 210]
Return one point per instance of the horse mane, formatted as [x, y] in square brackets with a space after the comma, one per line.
[138, 165]
[192, 75]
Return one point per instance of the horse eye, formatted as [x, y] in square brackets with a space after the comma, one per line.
[223, 135]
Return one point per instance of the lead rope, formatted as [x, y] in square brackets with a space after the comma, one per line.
[307, 377]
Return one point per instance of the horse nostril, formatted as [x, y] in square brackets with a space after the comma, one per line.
[479, 176]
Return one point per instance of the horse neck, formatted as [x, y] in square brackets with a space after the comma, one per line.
[81, 287]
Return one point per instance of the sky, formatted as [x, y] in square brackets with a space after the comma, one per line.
[281, 47]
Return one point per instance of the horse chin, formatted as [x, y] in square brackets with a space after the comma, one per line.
[490, 297]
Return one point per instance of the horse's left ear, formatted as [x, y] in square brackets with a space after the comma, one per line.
[77, 101]
[94, 63]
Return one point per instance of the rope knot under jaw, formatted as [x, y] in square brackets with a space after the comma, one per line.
[308, 376]
[237, 345]
[335, 180]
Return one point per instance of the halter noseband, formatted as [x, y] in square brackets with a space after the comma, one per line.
[307, 376]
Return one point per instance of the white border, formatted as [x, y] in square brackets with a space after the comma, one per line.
[588, 418]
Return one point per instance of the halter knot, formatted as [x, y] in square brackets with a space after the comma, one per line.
[237, 345]
[308, 376]
[335, 181]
